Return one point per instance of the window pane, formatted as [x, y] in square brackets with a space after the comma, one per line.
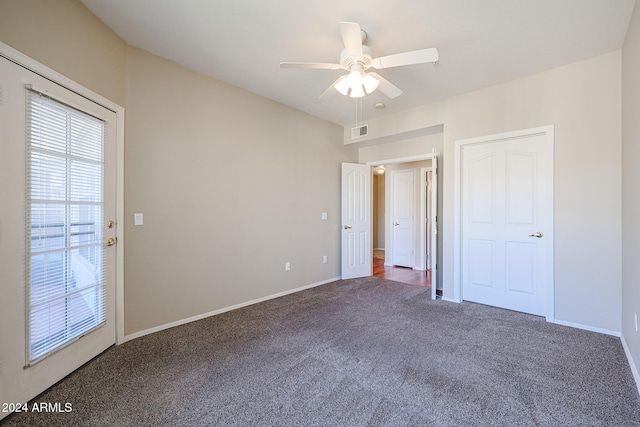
[85, 184]
[85, 226]
[48, 227]
[48, 176]
[47, 277]
[48, 126]
[83, 131]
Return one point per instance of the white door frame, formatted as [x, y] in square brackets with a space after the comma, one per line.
[417, 158]
[55, 77]
[548, 132]
[423, 216]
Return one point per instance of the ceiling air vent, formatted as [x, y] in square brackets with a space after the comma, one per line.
[359, 131]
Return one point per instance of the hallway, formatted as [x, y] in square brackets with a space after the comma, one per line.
[399, 274]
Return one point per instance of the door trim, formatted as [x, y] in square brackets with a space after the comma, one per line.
[32, 65]
[423, 265]
[548, 132]
[430, 156]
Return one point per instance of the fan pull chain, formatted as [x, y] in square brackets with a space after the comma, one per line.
[359, 118]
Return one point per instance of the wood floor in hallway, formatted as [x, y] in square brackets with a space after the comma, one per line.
[399, 274]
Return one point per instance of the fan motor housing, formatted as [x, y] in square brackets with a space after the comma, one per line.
[347, 60]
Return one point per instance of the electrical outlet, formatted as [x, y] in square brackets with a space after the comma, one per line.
[324, 259]
[287, 266]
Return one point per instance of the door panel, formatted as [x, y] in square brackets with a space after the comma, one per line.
[520, 263]
[521, 187]
[22, 380]
[482, 187]
[356, 224]
[482, 255]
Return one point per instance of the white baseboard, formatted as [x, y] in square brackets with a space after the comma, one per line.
[564, 323]
[632, 365]
[223, 310]
[586, 327]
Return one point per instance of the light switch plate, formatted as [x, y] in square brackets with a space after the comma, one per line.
[138, 219]
[324, 216]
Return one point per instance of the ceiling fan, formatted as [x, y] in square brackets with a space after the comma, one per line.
[357, 58]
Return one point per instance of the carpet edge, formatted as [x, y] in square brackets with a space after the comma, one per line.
[223, 310]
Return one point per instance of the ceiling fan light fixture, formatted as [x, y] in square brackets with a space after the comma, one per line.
[357, 92]
[370, 83]
[355, 79]
[342, 86]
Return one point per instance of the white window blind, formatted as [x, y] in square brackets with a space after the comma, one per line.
[65, 257]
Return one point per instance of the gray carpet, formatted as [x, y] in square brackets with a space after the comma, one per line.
[364, 352]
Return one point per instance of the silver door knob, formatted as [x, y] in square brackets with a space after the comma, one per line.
[396, 224]
[537, 234]
[111, 241]
[346, 227]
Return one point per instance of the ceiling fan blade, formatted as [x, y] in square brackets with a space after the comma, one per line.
[406, 58]
[328, 93]
[386, 87]
[331, 90]
[313, 65]
[351, 37]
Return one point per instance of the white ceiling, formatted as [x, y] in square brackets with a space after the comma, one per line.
[481, 43]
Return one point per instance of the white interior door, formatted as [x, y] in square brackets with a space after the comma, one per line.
[403, 218]
[58, 228]
[505, 220]
[427, 218]
[357, 254]
[433, 249]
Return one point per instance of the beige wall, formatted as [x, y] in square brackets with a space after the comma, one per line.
[231, 185]
[583, 101]
[418, 146]
[631, 186]
[65, 36]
